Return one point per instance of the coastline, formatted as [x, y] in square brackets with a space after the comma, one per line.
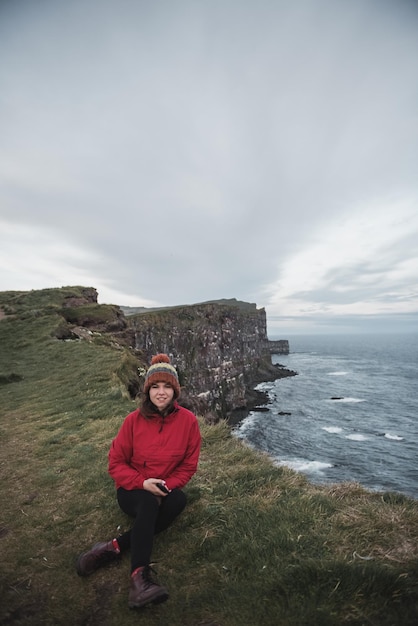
[257, 398]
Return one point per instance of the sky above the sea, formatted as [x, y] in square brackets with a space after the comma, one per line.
[177, 151]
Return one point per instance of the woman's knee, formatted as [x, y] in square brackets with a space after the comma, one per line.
[135, 501]
[176, 500]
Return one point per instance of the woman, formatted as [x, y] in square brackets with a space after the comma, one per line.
[153, 456]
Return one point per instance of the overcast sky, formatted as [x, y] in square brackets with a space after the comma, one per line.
[176, 151]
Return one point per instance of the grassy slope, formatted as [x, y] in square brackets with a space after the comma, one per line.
[256, 545]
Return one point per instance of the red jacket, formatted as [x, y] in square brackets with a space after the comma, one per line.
[166, 448]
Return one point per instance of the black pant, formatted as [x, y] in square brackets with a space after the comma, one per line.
[150, 517]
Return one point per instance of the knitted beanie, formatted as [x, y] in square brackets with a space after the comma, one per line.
[161, 371]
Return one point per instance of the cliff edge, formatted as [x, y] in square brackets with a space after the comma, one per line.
[220, 348]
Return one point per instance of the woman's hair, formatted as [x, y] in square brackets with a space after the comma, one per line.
[148, 408]
[160, 371]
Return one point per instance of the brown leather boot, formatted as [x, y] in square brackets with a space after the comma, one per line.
[100, 554]
[145, 590]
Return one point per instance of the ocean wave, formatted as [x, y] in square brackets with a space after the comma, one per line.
[265, 386]
[337, 373]
[246, 425]
[357, 437]
[303, 465]
[347, 400]
[332, 429]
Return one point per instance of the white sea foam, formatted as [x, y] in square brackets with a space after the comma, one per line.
[332, 429]
[393, 437]
[357, 437]
[265, 386]
[241, 429]
[337, 373]
[348, 400]
[303, 465]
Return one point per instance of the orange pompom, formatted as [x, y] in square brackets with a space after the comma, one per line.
[160, 358]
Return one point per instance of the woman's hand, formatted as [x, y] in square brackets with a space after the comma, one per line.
[151, 485]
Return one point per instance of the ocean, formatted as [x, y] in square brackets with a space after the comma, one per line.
[351, 413]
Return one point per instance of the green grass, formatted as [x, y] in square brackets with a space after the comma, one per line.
[257, 544]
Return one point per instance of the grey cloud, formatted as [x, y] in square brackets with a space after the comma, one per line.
[194, 147]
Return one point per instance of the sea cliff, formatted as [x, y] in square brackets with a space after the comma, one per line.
[220, 348]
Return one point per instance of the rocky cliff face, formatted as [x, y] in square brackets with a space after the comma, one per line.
[279, 347]
[220, 350]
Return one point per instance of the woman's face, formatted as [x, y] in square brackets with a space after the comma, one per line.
[161, 394]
